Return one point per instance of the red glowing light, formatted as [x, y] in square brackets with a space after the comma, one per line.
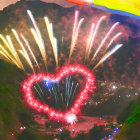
[12, 134]
[21, 128]
[64, 71]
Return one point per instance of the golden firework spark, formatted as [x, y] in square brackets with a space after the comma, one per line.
[75, 33]
[52, 39]
[38, 38]
[12, 55]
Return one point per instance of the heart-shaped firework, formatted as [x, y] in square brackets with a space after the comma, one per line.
[69, 115]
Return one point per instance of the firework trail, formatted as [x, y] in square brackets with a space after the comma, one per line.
[54, 89]
[23, 51]
[103, 41]
[38, 38]
[38, 92]
[52, 39]
[13, 57]
[8, 56]
[75, 33]
[29, 48]
[94, 34]
[89, 40]
[5, 55]
[107, 55]
[112, 40]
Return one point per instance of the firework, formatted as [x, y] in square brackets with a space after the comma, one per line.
[112, 40]
[29, 48]
[94, 34]
[38, 38]
[65, 71]
[75, 33]
[63, 97]
[13, 55]
[101, 45]
[52, 39]
[8, 56]
[107, 55]
[89, 42]
[23, 51]
[71, 118]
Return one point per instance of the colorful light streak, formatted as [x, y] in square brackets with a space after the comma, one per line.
[80, 2]
[65, 71]
[123, 7]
